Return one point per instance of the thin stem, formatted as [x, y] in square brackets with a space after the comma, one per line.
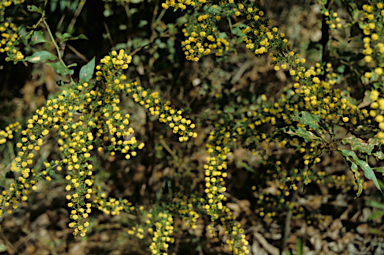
[287, 225]
[57, 48]
[74, 19]
[168, 149]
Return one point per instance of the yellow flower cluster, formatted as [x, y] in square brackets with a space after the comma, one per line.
[215, 174]
[185, 209]
[31, 142]
[372, 16]
[161, 235]
[7, 133]
[238, 245]
[309, 93]
[5, 4]
[86, 119]
[111, 205]
[112, 63]
[377, 111]
[270, 204]
[374, 52]
[333, 20]
[138, 232]
[109, 71]
[182, 4]
[9, 40]
[202, 40]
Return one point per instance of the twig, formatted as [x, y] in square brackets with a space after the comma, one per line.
[168, 149]
[11, 249]
[287, 225]
[241, 71]
[108, 34]
[75, 16]
[57, 48]
[267, 246]
[78, 53]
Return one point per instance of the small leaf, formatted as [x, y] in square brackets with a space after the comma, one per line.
[361, 145]
[68, 37]
[63, 37]
[3, 248]
[341, 69]
[375, 204]
[308, 119]
[37, 37]
[299, 246]
[60, 69]
[40, 56]
[87, 70]
[63, 4]
[348, 153]
[53, 5]
[375, 215]
[375, 231]
[307, 135]
[379, 155]
[33, 8]
[356, 174]
[143, 23]
[79, 37]
[368, 172]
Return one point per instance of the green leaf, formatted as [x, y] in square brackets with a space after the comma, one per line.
[87, 70]
[381, 184]
[361, 145]
[60, 68]
[143, 23]
[53, 4]
[63, 37]
[37, 37]
[3, 248]
[79, 37]
[348, 153]
[341, 69]
[356, 174]
[34, 8]
[375, 231]
[308, 119]
[67, 37]
[368, 172]
[299, 246]
[307, 135]
[40, 56]
[375, 204]
[63, 4]
[380, 169]
[375, 215]
[379, 155]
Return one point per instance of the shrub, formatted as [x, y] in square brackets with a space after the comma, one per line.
[332, 109]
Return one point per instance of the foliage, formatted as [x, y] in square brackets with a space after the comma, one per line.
[318, 114]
